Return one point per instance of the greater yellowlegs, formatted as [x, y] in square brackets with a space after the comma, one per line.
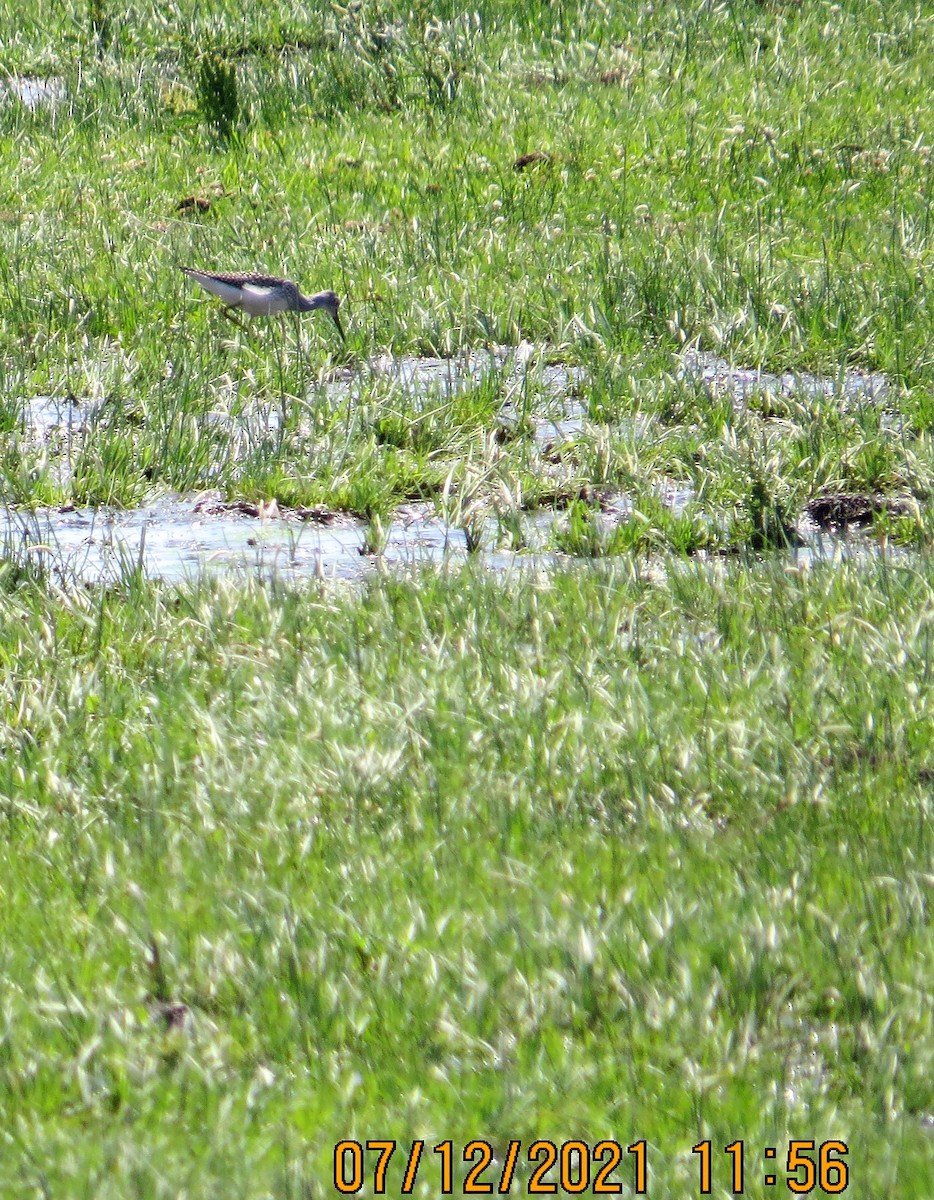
[262, 295]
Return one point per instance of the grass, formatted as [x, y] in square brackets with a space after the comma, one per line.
[590, 855]
[750, 179]
[635, 850]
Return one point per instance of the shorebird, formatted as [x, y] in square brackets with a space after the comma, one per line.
[262, 295]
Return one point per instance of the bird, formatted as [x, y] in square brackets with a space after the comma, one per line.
[262, 295]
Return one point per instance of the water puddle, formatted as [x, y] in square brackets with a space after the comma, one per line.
[721, 377]
[44, 416]
[175, 538]
[512, 366]
[820, 546]
[529, 383]
[536, 396]
[32, 92]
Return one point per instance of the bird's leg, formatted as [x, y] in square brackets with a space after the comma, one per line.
[231, 315]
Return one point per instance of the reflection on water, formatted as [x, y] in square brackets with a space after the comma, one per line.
[718, 375]
[174, 538]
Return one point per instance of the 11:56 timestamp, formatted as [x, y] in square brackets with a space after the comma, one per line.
[576, 1167]
[806, 1168]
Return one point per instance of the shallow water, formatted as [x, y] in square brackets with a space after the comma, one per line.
[556, 410]
[446, 376]
[174, 538]
[719, 375]
[31, 91]
[45, 415]
[513, 369]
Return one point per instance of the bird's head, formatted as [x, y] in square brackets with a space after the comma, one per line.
[330, 302]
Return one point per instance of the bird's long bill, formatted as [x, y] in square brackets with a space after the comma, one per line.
[340, 328]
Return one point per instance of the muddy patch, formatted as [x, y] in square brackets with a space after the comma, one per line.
[845, 509]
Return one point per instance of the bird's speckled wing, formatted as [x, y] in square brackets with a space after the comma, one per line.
[256, 294]
[235, 278]
[251, 278]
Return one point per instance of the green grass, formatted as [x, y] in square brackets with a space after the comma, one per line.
[639, 849]
[749, 178]
[588, 856]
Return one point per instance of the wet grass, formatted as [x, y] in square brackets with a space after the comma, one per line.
[636, 851]
[592, 855]
[751, 179]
